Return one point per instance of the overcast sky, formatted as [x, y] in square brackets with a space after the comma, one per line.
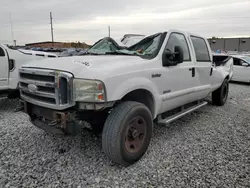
[88, 20]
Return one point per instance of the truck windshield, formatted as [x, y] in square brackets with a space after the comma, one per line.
[104, 46]
[146, 48]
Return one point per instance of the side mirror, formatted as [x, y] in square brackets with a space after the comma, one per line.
[179, 54]
[244, 64]
[172, 58]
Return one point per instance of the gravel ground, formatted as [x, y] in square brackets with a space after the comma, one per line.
[208, 148]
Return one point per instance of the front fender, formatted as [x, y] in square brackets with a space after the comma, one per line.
[132, 84]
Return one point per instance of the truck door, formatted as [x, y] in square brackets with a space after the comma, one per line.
[4, 69]
[180, 81]
[203, 65]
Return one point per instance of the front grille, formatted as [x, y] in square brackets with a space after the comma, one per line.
[40, 88]
[38, 77]
[39, 98]
[47, 88]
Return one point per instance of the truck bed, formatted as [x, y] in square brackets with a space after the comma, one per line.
[220, 59]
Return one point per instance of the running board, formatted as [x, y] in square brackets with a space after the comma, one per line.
[180, 114]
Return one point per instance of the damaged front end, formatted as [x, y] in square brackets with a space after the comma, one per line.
[55, 122]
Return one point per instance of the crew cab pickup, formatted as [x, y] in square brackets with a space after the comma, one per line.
[10, 62]
[121, 92]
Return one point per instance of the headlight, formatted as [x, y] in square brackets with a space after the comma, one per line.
[88, 90]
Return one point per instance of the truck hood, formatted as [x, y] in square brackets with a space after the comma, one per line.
[89, 66]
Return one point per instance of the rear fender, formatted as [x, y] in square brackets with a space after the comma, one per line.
[221, 72]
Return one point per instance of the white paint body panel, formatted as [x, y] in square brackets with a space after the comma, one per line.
[9, 79]
[241, 73]
[123, 74]
[4, 72]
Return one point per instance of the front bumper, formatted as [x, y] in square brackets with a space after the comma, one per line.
[52, 121]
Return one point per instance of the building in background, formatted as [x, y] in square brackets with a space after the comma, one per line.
[230, 44]
[49, 44]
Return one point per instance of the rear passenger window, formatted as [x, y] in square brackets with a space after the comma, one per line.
[200, 48]
[1, 52]
[177, 39]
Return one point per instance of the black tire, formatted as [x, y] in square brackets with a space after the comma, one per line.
[117, 138]
[219, 96]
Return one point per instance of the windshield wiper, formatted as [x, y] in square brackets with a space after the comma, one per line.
[123, 52]
[118, 53]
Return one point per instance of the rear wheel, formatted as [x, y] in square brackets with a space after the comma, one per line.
[127, 132]
[220, 95]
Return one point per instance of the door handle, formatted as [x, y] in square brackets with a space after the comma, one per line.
[211, 71]
[193, 71]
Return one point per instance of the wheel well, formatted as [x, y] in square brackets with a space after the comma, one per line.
[143, 96]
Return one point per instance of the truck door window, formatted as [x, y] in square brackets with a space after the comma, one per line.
[201, 49]
[2, 52]
[177, 39]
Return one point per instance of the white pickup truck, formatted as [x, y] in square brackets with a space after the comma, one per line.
[121, 92]
[10, 62]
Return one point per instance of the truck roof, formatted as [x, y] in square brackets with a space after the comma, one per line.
[188, 33]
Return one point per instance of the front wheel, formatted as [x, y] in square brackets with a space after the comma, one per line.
[219, 96]
[127, 132]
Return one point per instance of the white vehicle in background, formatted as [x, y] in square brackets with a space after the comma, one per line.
[241, 71]
[10, 62]
[37, 54]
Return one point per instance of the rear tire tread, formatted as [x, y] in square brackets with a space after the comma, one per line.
[217, 97]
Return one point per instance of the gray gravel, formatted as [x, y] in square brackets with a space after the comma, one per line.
[208, 148]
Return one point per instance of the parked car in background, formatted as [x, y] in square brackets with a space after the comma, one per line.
[241, 71]
[81, 52]
[121, 91]
[10, 61]
[68, 52]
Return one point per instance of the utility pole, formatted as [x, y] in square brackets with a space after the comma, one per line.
[51, 27]
[109, 30]
[12, 32]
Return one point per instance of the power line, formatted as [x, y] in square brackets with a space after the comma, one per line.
[29, 21]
